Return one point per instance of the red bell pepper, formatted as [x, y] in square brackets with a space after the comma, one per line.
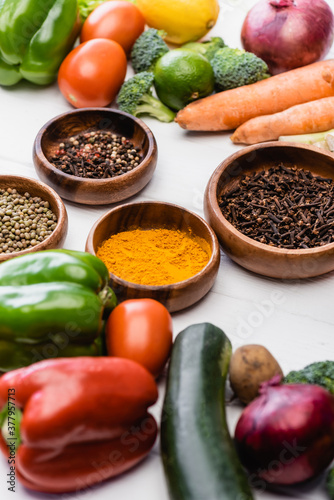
[84, 420]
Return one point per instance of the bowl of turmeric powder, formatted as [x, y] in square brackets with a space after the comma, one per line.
[156, 250]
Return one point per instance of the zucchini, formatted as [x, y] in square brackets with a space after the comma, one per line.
[198, 454]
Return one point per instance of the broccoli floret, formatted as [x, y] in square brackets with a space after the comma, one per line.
[330, 483]
[234, 67]
[147, 49]
[319, 373]
[135, 97]
[207, 48]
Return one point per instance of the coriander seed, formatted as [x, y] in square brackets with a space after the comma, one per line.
[27, 224]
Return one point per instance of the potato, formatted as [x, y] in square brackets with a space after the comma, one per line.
[251, 365]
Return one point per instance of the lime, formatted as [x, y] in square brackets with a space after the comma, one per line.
[182, 20]
[182, 76]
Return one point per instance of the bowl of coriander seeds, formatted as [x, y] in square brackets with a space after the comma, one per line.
[271, 206]
[95, 156]
[33, 217]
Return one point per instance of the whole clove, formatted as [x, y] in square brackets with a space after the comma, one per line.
[283, 206]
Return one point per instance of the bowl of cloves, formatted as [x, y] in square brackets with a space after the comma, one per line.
[271, 206]
[95, 156]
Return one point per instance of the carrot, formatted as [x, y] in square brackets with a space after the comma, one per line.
[228, 109]
[314, 116]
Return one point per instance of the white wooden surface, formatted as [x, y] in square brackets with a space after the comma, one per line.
[295, 320]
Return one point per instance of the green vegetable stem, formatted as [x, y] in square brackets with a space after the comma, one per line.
[207, 48]
[135, 97]
[87, 6]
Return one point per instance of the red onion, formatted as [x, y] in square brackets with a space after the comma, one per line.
[286, 435]
[288, 34]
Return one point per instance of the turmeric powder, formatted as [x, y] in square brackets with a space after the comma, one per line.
[154, 256]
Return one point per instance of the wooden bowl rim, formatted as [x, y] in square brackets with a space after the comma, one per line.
[179, 285]
[98, 182]
[61, 220]
[211, 198]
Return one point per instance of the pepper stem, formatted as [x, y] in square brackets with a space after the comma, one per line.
[108, 298]
[10, 422]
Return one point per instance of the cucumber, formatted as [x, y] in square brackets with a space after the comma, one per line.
[199, 458]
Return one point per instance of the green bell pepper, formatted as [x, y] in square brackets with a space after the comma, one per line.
[51, 305]
[35, 37]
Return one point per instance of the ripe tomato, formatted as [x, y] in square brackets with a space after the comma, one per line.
[117, 20]
[141, 330]
[92, 73]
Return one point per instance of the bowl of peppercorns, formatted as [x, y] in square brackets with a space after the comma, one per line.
[95, 156]
[271, 206]
[33, 217]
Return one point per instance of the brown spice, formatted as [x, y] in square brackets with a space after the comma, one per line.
[96, 155]
[283, 206]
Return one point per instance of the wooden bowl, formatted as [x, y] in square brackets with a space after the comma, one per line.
[148, 215]
[94, 191]
[38, 188]
[258, 257]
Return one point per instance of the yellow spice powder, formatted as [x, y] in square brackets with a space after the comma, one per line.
[154, 256]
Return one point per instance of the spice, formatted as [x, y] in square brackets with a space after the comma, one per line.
[154, 256]
[282, 206]
[25, 221]
[96, 155]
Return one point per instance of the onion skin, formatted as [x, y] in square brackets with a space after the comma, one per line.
[288, 34]
[286, 435]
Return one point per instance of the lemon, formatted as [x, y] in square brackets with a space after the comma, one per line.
[182, 20]
[182, 76]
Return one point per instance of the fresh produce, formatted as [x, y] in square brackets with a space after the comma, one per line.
[87, 6]
[287, 34]
[51, 304]
[198, 455]
[182, 76]
[183, 20]
[286, 435]
[117, 20]
[309, 117]
[92, 73]
[147, 49]
[229, 109]
[319, 137]
[135, 97]
[84, 420]
[330, 483]
[208, 48]
[234, 68]
[250, 366]
[142, 330]
[323, 140]
[35, 36]
[320, 373]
